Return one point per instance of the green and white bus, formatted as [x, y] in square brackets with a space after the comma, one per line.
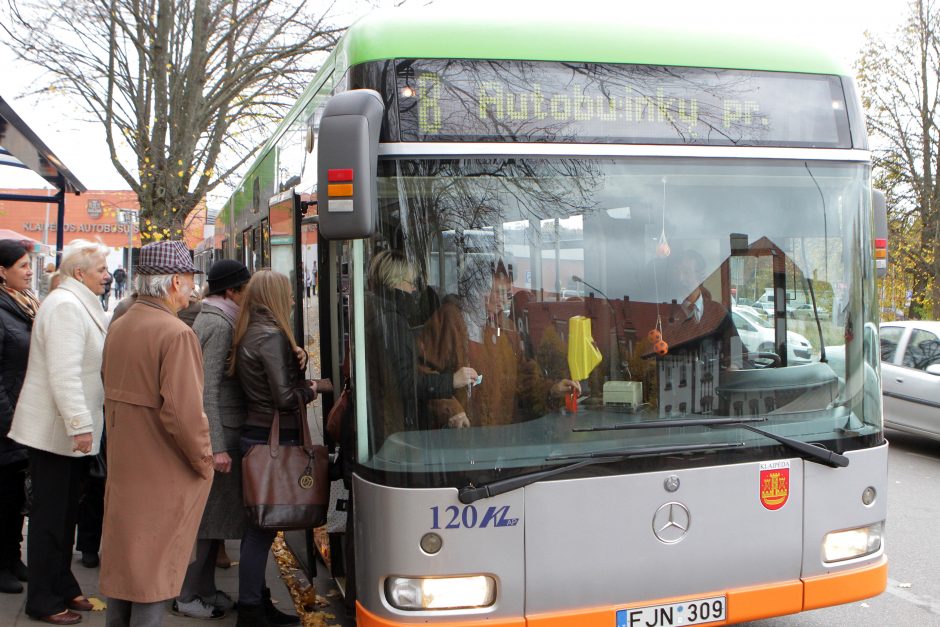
[508, 207]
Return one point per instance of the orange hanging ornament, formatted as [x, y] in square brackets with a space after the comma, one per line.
[660, 347]
[663, 250]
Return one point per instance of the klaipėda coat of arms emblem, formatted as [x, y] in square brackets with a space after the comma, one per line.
[774, 484]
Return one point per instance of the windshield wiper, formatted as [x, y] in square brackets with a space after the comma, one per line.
[822, 342]
[471, 493]
[659, 424]
[809, 452]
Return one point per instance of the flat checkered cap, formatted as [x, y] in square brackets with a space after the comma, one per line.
[168, 257]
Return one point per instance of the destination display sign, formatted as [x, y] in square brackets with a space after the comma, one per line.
[521, 101]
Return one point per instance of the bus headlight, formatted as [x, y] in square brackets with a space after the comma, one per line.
[440, 593]
[851, 543]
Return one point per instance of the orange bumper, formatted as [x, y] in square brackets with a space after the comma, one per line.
[744, 604]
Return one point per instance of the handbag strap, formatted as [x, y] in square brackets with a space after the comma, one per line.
[274, 438]
[302, 421]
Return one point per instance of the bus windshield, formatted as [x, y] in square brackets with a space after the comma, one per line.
[494, 283]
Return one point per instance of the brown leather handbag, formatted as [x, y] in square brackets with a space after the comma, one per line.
[286, 487]
[339, 413]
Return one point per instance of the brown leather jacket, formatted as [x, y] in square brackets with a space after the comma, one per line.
[269, 374]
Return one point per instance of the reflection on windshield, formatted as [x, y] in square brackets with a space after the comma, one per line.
[535, 296]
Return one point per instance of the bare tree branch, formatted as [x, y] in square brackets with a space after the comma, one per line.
[185, 89]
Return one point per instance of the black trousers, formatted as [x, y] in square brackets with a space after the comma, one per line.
[90, 512]
[255, 547]
[56, 492]
[11, 513]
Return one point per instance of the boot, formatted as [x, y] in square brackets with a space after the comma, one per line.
[19, 570]
[9, 583]
[274, 616]
[251, 616]
[15, 567]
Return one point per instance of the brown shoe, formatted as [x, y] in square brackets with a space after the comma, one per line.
[222, 559]
[68, 617]
[80, 604]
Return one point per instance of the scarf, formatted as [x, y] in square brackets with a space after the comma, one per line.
[26, 301]
[228, 307]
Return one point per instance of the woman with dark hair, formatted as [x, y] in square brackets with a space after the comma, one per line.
[18, 307]
[264, 358]
[224, 405]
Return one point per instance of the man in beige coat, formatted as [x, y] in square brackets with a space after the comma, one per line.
[160, 461]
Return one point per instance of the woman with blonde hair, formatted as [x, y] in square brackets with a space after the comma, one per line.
[59, 419]
[413, 391]
[264, 358]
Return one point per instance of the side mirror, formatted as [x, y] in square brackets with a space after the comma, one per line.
[934, 369]
[347, 164]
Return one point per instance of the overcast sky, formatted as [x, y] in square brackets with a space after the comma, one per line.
[835, 24]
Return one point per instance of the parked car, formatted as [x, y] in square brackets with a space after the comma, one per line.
[804, 311]
[765, 306]
[910, 376]
[759, 336]
[755, 311]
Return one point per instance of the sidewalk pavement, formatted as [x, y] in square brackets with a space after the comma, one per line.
[12, 606]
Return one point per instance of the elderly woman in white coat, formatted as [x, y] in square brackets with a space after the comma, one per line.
[59, 418]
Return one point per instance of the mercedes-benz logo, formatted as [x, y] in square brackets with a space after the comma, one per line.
[671, 522]
[671, 484]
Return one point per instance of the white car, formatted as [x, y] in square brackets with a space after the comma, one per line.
[910, 376]
[759, 336]
[765, 306]
[755, 311]
[805, 311]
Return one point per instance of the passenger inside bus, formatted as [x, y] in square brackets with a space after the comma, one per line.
[699, 316]
[483, 334]
[390, 312]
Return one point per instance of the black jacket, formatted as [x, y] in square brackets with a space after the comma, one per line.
[395, 373]
[15, 328]
[269, 374]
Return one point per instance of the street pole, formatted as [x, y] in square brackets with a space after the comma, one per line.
[130, 254]
[128, 217]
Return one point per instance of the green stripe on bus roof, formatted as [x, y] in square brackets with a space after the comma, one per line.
[437, 34]
[469, 33]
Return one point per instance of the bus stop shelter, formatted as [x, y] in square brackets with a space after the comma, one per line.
[20, 147]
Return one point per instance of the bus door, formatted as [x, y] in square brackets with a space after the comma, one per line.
[281, 230]
[256, 247]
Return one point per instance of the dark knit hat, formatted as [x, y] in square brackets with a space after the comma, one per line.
[11, 251]
[225, 274]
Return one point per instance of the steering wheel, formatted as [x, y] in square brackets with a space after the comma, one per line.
[767, 359]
